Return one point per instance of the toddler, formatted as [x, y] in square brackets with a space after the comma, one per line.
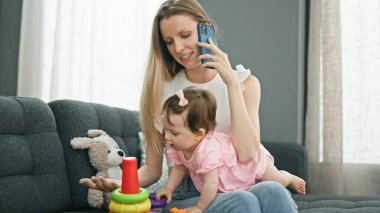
[189, 122]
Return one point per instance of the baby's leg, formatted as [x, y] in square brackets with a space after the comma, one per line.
[284, 177]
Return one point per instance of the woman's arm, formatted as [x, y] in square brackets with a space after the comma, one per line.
[252, 96]
[151, 171]
[245, 128]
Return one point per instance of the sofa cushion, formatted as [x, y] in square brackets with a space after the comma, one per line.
[337, 203]
[288, 156]
[74, 119]
[32, 172]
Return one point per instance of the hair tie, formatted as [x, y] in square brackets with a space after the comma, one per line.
[182, 100]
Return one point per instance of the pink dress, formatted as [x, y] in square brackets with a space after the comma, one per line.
[217, 151]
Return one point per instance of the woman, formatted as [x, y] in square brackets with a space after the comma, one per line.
[174, 63]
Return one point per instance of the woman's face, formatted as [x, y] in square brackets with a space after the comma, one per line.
[181, 36]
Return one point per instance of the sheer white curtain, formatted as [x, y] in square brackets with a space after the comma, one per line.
[90, 50]
[343, 98]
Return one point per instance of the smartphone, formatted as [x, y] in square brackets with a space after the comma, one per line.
[205, 31]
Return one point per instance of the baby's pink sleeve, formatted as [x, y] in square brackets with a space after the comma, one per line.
[209, 157]
[174, 157]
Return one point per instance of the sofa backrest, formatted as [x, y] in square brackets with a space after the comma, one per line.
[32, 166]
[74, 119]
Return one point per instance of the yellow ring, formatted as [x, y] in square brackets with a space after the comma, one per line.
[130, 208]
[119, 197]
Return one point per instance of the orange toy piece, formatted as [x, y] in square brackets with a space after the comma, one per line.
[176, 210]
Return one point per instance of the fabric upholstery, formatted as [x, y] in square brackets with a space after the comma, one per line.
[32, 171]
[337, 203]
[290, 157]
[74, 119]
[39, 170]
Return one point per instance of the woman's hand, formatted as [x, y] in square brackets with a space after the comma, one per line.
[220, 62]
[165, 192]
[244, 106]
[100, 183]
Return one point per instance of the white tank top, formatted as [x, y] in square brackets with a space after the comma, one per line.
[217, 87]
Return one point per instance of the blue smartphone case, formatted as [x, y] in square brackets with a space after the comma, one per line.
[205, 31]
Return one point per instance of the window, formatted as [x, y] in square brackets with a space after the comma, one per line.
[360, 21]
[89, 50]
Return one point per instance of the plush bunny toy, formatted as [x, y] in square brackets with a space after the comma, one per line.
[105, 156]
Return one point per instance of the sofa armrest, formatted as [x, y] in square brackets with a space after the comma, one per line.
[291, 157]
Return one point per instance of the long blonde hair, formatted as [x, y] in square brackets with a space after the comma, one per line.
[162, 67]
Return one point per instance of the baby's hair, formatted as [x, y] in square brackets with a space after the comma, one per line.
[201, 109]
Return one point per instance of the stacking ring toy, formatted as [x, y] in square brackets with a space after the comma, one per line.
[130, 208]
[119, 197]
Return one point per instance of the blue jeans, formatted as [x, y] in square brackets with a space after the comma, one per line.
[270, 197]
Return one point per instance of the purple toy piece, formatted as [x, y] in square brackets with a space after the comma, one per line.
[157, 203]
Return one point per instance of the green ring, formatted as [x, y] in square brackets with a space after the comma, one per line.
[119, 197]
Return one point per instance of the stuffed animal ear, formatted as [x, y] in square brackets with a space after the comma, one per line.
[95, 133]
[81, 143]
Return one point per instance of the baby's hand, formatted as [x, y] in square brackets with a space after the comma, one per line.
[165, 192]
[194, 209]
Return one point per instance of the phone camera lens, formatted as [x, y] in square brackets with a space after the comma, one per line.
[204, 29]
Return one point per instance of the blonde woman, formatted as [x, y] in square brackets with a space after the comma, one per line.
[175, 63]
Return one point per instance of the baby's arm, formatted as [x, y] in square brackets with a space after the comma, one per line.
[175, 177]
[208, 193]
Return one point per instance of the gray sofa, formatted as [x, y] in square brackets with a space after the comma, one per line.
[39, 170]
